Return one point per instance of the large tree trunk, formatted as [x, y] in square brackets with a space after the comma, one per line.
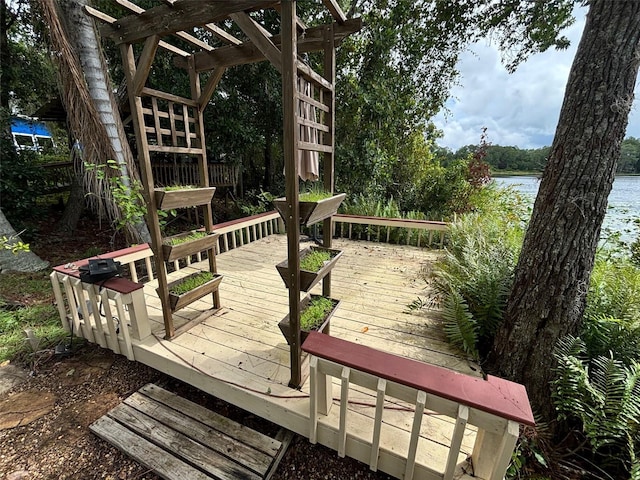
[89, 100]
[552, 277]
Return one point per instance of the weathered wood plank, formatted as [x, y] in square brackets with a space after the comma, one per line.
[145, 452]
[206, 435]
[180, 445]
[233, 429]
[182, 15]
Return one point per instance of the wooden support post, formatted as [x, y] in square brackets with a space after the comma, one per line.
[328, 170]
[290, 141]
[144, 160]
[492, 451]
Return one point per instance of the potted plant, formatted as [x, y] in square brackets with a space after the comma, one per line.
[315, 315]
[181, 196]
[188, 243]
[315, 263]
[187, 290]
[314, 206]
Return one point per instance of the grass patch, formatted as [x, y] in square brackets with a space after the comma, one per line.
[184, 239]
[189, 283]
[33, 292]
[315, 260]
[42, 319]
[315, 313]
[314, 196]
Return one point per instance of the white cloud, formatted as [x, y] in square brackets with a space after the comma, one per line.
[518, 109]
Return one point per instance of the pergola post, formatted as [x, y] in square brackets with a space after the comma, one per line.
[290, 143]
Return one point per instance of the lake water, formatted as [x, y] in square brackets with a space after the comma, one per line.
[624, 201]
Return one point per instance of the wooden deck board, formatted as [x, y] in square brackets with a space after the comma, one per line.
[239, 354]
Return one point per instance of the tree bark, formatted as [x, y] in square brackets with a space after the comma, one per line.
[89, 100]
[552, 277]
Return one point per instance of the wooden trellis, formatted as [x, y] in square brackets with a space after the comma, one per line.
[170, 124]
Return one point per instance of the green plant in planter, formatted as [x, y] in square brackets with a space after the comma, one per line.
[173, 188]
[314, 260]
[314, 196]
[315, 313]
[188, 238]
[191, 283]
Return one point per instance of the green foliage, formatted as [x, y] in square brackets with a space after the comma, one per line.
[191, 282]
[314, 260]
[127, 194]
[256, 202]
[459, 325]
[611, 324]
[604, 394]
[473, 279]
[21, 181]
[315, 313]
[15, 246]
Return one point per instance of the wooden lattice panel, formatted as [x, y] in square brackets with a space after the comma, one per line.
[170, 126]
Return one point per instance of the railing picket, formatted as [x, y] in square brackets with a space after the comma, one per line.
[147, 262]
[421, 400]
[114, 345]
[344, 403]
[313, 400]
[95, 311]
[57, 293]
[73, 305]
[377, 425]
[456, 441]
[85, 324]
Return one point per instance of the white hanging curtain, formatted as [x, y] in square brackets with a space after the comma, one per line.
[308, 161]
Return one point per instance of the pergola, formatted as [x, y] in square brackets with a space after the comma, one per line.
[168, 123]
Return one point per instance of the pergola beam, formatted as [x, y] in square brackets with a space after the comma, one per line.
[260, 37]
[180, 15]
[336, 11]
[109, 20]
[248, 52]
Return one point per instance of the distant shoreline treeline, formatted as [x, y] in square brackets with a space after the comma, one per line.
[514, 159]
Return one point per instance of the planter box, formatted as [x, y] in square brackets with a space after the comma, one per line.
[311, 212]
[180, 301]
[309, 279]
[174, 252]
[188, 197]
[285, 326]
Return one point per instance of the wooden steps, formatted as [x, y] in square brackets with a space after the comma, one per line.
[179, 439]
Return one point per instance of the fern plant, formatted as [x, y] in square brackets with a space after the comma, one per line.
[604, 395]
[477, 268]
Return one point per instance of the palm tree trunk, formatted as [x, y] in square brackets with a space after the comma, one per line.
[90, 103]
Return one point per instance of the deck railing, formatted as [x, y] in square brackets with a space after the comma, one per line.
[115, 313]
[110, 314]
[495, 406]
[402, 230]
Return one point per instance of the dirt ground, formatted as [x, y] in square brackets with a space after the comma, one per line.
[44, 421]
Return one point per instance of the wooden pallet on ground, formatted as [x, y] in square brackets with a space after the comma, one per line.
[179, 439]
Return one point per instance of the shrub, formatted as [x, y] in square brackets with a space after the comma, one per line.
[604, 394]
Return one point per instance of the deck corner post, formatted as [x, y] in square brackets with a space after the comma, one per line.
[140, 326]
[492, 451]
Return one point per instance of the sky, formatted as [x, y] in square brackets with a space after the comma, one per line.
[519, 109]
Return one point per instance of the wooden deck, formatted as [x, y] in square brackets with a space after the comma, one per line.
[239, 355]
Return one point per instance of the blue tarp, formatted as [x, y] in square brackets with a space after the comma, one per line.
[29, 127]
